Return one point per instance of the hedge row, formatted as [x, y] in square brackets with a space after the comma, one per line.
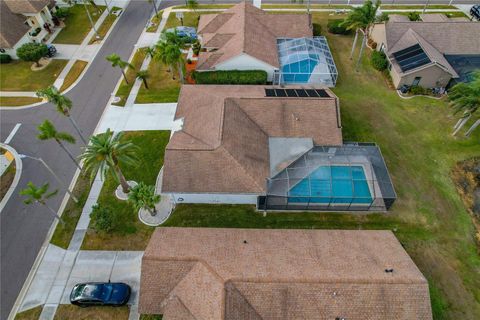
[379, 60]
[231, 77]
[336, 27]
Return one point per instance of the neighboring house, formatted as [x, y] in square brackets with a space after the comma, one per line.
[431, 53]
[247, 38]
[279, 148]
[213, 273]
[24, 21]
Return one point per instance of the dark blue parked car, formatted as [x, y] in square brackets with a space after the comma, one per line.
[100, 293]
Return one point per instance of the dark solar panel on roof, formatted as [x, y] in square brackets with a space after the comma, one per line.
[270, 92]
[280, 92]
[322, 93]
[301, 93]
[291, 92]
[411, 58]
[311, 93]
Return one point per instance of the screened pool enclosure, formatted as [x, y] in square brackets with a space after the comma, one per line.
[352, 177]
[305, 60]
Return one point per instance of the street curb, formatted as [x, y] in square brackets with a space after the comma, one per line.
[18, 173]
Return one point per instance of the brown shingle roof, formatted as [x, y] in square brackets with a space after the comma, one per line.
[247, 29]
[223, 145]
[280, 274]
[12, 26]
[26, 6]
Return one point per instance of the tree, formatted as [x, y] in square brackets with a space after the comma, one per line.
[143, 196]
[63, 104]
[150, 52]
[196, 47]
[465, 98]
[170, 54]
[106, 152]
[117, 61]
[40, 195]
[143, 75]
[154, 6]
[32, 52]
[173, 38]
[48, 132]
[361, 18]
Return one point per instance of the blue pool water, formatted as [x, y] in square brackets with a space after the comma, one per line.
[298, 72]
[332, 184]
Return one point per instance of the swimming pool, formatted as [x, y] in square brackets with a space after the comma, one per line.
[332, 184]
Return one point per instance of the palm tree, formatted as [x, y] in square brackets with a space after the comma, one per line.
[154, 6]
[170, 54]
[106, 152]
[48, 132]
[117, 61]
[173, 38]
[63, 104]
[161, 55]
[143, 196]
[143, 75]
[465, 98]
[361, 18]
[150, 52]
[40, 195]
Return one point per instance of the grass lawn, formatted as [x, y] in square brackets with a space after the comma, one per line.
[17, 101]
[17, 75]
[71, 312]
[190, 19]
[151, 317]
[155, 22]
[124, 89]
[161, 87]
[77, 25]
[304, 6]
[452, 14]
[104, 27]
[431, 6]
[207, 6]
[71, 214]
[429, 217]
[30, 314]
[73, 74]
[130, 233]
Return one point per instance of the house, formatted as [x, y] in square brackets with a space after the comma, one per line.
[24, 21]
[279, 148]
[211, 273]
[434, 52]
[247, 38]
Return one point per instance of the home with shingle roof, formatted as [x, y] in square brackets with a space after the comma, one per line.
[279, 148]
[213, 273]
[247, 38]
[435, 52]
[23, 21]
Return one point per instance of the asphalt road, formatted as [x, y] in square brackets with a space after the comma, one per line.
[23, 228]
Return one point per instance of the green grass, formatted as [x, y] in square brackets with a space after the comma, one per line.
[429, 217]
[104, 27]
[454, 14]
[155, 22]
[17, 101]
[30, 314]
[73, 74]
[161, 87]
[207, 6]
[190, 19]
[71, 312]
[151, 317]
[71, 214]
[124, 88]
[304, 6]
[77, 25]
[17, 75]
[420, 6]
[130, 233]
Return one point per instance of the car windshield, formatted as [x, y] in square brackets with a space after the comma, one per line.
[94, 291]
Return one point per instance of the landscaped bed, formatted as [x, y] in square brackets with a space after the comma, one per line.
[106, 25]
[161, 87]
[155, 22]
[17, 101]
[17, 75]
[428, 217]
[6, 179]
[124, 89]
[71, 312]
[73, 74]
[77, 25]
[129, 233]
[30, 314]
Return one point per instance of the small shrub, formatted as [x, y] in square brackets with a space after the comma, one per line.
[196, 47]
[32, 52]
[382, 18]
[379, 60]
[373, 45]
[189, 61]
[336, 27]
[5, 58]
[104, 219]
[317, 29]
[413, 16]
[62, 12]
[417, 90]
[231, 77]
